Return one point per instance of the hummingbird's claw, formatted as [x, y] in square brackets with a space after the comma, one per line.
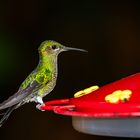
[39, 107]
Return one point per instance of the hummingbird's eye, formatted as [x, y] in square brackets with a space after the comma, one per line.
[54, 47]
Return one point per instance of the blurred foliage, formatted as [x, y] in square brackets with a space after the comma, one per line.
[7, 59]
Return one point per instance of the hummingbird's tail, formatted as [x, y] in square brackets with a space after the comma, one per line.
[6, 115]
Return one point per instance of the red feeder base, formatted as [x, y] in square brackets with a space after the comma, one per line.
[94, 115]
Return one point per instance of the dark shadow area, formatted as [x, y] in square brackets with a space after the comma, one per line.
[110, 32]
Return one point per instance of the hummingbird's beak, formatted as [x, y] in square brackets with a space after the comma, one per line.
[74, 49]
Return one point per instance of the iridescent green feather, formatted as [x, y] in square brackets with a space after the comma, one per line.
[27, 81]
[46, 69]
[41, 77]
[43, 73]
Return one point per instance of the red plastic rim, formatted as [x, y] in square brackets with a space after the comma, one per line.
[98, 109]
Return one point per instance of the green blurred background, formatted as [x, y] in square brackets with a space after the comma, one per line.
[110, 31]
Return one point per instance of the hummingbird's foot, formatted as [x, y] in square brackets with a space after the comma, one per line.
[39, 100]
[39, 107]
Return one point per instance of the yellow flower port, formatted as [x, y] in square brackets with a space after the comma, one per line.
[85, 91]
[118, 95]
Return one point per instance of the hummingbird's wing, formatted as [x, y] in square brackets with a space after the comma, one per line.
[20, 95]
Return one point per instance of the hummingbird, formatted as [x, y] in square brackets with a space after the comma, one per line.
[40, 82]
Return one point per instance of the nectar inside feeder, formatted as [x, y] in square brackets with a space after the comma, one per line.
[111, 110]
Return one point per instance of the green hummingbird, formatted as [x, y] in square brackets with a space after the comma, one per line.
[40, 82]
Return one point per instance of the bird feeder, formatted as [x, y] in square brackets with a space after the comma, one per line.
[111, 110]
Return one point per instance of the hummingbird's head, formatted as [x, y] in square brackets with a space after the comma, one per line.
[50, 47]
